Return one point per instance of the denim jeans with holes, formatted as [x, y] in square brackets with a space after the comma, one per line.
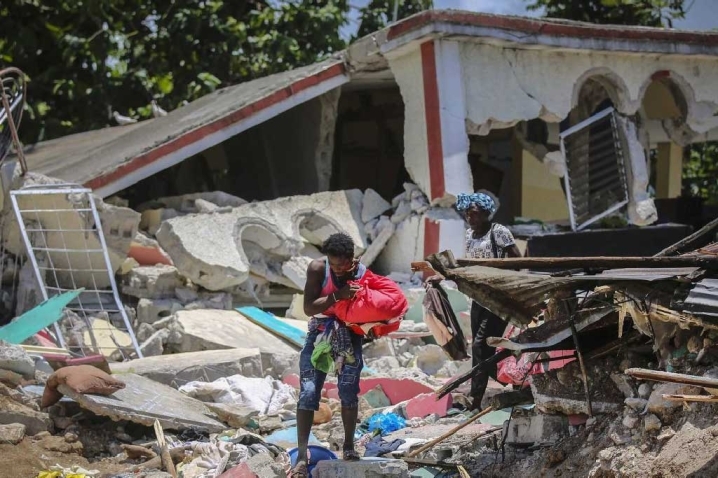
[312, 380]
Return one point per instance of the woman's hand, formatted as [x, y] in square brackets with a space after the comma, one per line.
[347, 292]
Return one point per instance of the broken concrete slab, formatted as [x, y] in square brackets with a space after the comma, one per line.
[373, 205]
[14, 412]
[365, 468]
[152, 282]
[234, 415]
[143, 401]
[179, 369]
[216, 259]
[15, 359]
[537, 429]
[295, 269]
[223, 329]
[12, 433]
[386, 231]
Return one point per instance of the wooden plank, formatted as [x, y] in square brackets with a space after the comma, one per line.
[658, 376]
[34, 320]
[271, 323]
[35, 349]
[691, 398]
[704, 261]
[453, 431]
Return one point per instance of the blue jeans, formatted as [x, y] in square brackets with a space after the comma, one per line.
[311, 380]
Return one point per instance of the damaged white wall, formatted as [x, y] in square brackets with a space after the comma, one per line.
[527, 84]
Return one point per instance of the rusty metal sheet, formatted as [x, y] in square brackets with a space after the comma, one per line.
[702, 300]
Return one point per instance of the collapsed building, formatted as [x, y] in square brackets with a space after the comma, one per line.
[164, 226]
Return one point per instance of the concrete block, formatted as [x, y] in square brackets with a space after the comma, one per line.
[426, 404]
[12, 433]
[537, 429]
[152, 282]
[373, 205]
[365, 468]
[178, 369]
[150, 311]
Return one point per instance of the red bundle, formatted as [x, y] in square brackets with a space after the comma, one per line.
[380, 299]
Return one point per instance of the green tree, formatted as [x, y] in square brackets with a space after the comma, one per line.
[700, 171]
[379, 13]
[86, 59]
[650, 13]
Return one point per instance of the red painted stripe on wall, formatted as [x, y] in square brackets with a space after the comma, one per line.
[433, 120]
[432, 232]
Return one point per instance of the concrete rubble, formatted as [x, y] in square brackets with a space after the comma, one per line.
[225, 389]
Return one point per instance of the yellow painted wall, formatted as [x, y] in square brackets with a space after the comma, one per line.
[541, 194]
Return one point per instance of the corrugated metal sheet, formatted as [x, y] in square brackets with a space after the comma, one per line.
[703, 299]
[517, 296]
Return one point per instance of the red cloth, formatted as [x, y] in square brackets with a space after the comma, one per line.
[379, 299]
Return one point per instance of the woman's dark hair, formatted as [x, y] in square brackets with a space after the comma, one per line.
[339, 245]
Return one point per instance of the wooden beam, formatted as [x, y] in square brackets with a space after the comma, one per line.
[658, 376]
[691, 398]
[705, 261]
[689, 241]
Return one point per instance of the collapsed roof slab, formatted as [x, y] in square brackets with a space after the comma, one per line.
[112, 159]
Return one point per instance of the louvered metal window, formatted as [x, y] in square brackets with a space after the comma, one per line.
[595, 176]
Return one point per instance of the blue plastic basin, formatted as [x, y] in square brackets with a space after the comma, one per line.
[316, 454]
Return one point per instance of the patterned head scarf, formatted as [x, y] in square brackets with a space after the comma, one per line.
[481, 200]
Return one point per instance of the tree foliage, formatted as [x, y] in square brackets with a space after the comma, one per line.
[700, 171]
[379, 13]
[87, 58]
[650, 13]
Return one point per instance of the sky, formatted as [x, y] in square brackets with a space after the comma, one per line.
[701, 16]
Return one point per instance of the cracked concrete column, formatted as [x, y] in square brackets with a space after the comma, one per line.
[436, 144]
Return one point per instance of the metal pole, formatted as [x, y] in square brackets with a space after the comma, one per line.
[11, 120]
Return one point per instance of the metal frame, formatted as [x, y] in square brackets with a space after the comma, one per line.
[567, 181]
[95, 228]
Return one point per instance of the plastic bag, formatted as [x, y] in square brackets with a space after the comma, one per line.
[386, 423]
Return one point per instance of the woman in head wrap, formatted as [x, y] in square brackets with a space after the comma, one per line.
[484, 240]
